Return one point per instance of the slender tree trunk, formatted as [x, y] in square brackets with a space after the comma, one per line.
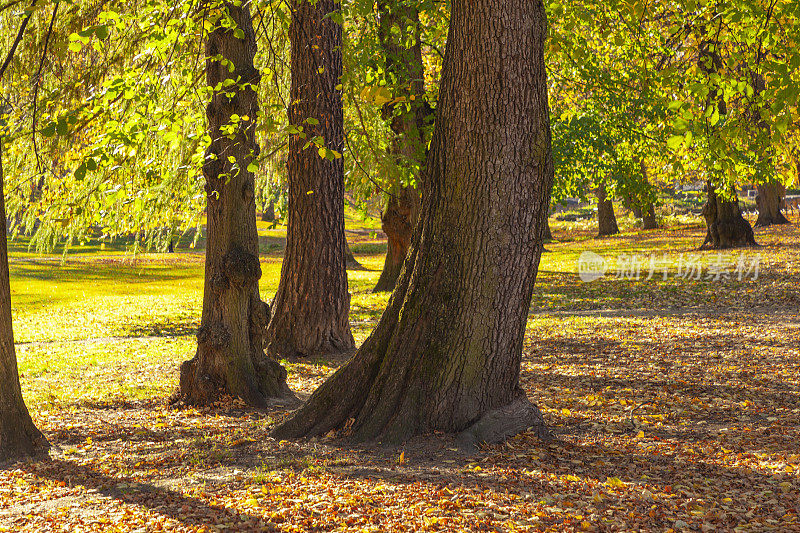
[397, 222]
[18, 436]
[547, 234]
[769, 202]
[269, 212]
[726, 227]
[406, 72]
[649, 216]
[310, 311]
[606, 220]
[446, 353]
[230, 342]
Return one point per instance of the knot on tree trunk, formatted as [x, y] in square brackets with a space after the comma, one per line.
[248, 74]
[215, 335]
[260, 313]
[195, 389]
[500, 424]
[242, 268]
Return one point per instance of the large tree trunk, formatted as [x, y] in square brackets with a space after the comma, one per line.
[405, 71]
[606, 220]
[769, 202]
[18, 436]
[446, 353]
[230, 342]
[726, 227]
[311, 308]
[397, 222]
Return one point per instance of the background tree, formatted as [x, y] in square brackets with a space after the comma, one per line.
[311, 307]
[230, 342]
[408, 113]
[446, 353]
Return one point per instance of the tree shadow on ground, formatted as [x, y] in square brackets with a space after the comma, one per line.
[164, 501]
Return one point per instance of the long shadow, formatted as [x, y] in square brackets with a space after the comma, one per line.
[162, 500]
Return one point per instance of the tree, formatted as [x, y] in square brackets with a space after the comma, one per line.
[311, 307]
[446, 353]
[18, 435]
[725, 225]
[606, 220]
[407, 112]
[769, 201]
[230, 341]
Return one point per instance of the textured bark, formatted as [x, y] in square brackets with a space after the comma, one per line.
[18, 435]
[406, 72]
[311, 307]
[397, 222]
[726, 227]
[446, 352]
[769, 202]
[230, 341]
[606, 220]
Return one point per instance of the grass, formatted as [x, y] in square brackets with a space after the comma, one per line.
[674, 402]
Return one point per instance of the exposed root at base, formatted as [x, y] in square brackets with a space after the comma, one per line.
[500, 424]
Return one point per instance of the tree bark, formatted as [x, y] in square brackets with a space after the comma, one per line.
[397, 222]
[726, 227]
[269, 212]
[769, 202]
[19, 437]
[446, 353]
[547, 234]
[649, 216]
[404, 68]
[230, 341]
[606, 220]
[312, 304]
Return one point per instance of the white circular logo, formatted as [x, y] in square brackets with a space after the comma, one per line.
[591, 266]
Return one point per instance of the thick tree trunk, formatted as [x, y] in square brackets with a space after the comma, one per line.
[397, 223]
[18, 436]
[606, 220]
[230, 342]
[310, 311]
[399, 25]
[769, 202]
[446, 353]
[726, 227]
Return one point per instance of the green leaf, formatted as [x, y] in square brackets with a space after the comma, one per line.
[675, 142]
[49, 130]
[75, 46]
[62, 127]
[80, 172]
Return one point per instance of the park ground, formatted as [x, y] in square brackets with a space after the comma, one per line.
[674, 401]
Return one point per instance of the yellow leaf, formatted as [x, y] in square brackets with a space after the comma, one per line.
[615, 482]
[640, 435]
[566, 412]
